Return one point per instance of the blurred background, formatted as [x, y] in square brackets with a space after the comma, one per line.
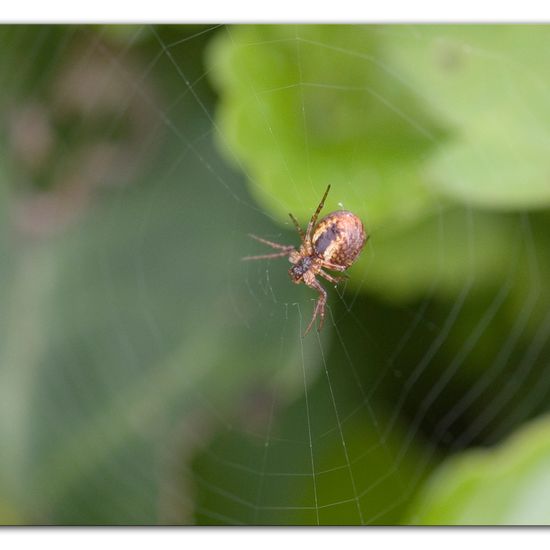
[149, 376]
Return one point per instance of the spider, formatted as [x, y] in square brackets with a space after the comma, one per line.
[334, 243]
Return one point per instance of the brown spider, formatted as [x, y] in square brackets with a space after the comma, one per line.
[333, 244]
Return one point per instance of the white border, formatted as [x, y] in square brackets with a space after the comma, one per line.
[275, 539]
[234, 11]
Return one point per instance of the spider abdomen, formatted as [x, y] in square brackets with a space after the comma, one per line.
[339, 238]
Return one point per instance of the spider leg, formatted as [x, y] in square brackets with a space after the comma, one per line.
[319, 306]
[331, 278]
[267, 256]
[271, 243]
[297, 225]
[313, 220]
[330, 265]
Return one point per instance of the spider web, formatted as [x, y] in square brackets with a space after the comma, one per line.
[147, 405]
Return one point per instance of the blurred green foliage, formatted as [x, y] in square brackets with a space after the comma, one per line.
[120, 324]
[267, 473]
[147, 375]
[489, 84]
[301, 112]
[505, 486]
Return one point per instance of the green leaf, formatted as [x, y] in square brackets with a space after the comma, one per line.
[304, 106]
[489, 84]
[507, 485]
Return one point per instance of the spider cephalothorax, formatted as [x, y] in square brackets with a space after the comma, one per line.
[334, 243]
